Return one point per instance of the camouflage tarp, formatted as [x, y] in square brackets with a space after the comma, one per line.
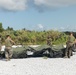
[53, 51]
[58, 51]
[22, 52]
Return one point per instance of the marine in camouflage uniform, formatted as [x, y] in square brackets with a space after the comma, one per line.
[69, 45]
[49, 41]
[8, 47]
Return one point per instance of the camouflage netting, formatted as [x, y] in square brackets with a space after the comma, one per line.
[21, 52]
[18, 52]
[74, 48]
[58, 51]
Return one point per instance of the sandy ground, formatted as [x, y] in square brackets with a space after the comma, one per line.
[39, 66]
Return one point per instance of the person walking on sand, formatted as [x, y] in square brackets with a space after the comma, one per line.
[8, 47]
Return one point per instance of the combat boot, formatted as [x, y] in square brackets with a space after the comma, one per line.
[65, 56]
[7, 59]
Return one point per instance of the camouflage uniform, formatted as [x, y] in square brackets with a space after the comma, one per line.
[69, 45]
[8, 49]
[49, 41]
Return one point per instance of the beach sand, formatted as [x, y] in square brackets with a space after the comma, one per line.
[39, 66]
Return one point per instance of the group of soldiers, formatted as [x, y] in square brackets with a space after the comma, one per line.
[9, 52]
[69, 44]
[8, 47]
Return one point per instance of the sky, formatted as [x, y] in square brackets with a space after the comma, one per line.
[38, 14]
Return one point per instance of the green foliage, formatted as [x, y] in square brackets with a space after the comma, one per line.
[1, 28]
[27, 37]
[9, 28]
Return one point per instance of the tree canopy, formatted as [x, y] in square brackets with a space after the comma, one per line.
[28, 37]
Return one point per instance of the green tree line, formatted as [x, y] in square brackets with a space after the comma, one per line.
[27, 37]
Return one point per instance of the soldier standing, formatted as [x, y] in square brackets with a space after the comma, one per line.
[49, 41]
[69, 45]
[8, 47]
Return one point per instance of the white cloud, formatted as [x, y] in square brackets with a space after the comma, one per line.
[68, 28]
[54, 3]
[13, 5]
[40, 26]
[16, 5]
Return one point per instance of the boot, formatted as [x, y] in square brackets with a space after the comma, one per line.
[65, 56]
